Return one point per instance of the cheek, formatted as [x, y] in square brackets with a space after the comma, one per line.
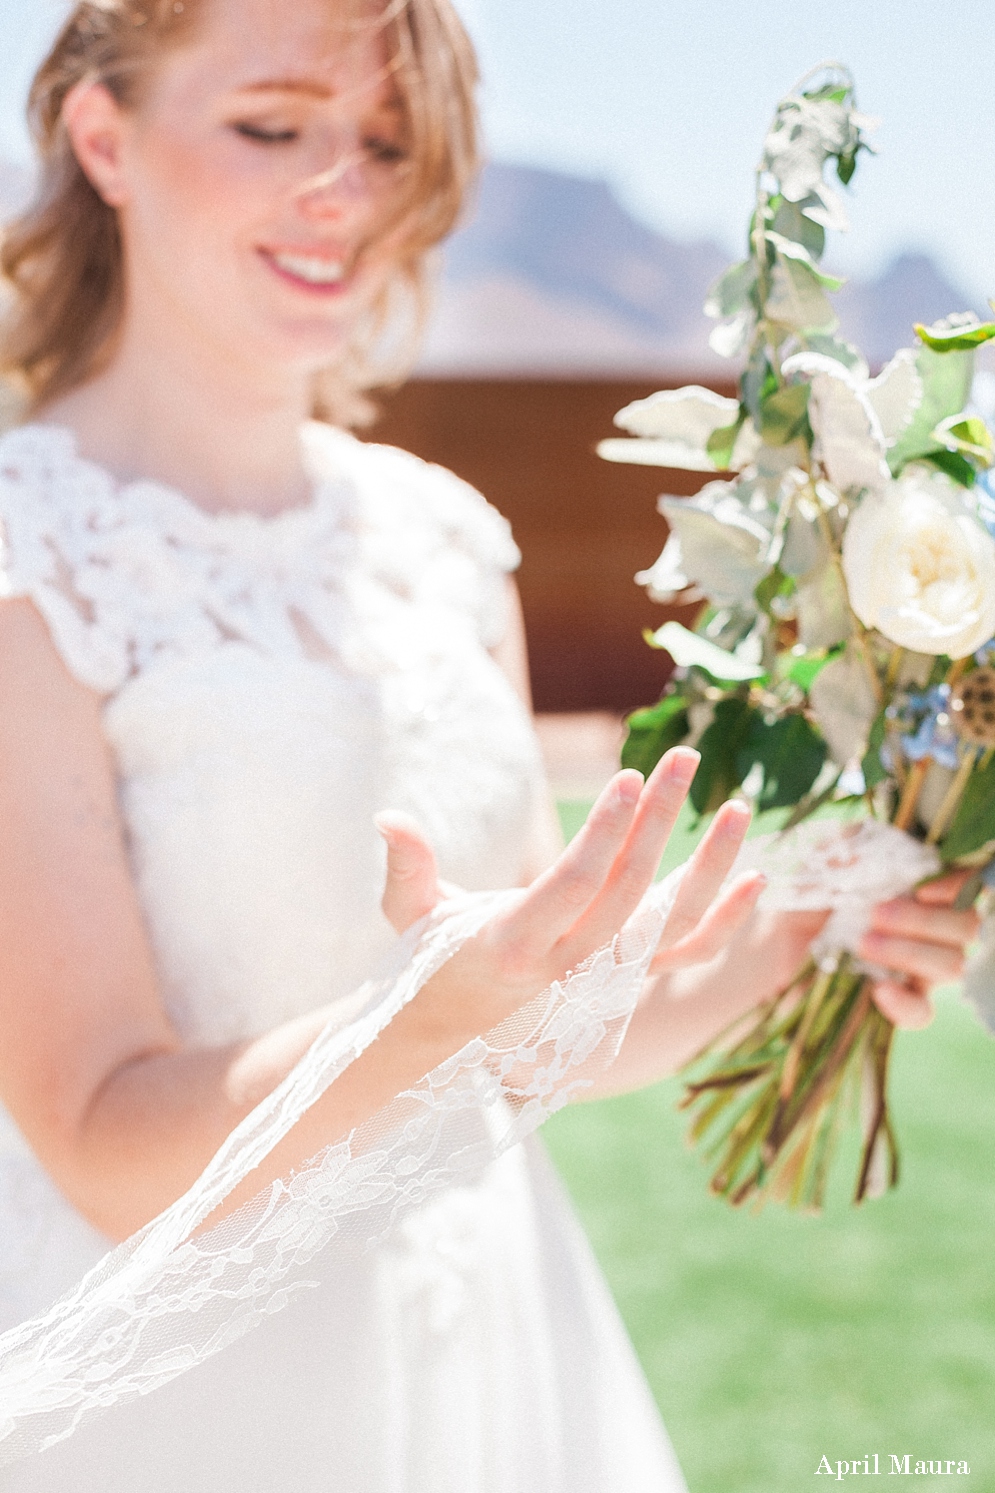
[193, 198]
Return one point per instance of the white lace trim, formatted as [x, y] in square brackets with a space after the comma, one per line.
[171, 1296]
[125, 574]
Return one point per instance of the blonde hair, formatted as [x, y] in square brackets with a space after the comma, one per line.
[62, 258]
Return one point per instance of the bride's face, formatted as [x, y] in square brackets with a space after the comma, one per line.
[255, 178]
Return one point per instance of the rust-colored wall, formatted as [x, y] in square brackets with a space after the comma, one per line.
[585, 526]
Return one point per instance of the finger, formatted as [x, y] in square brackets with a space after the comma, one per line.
[903, 1005]
[707, 870]
[412, 886]
[560, 895]
[906, 917]
[720, 923]
[943, 892]
[934, 963]
[636, 863]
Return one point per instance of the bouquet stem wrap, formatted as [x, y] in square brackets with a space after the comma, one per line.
[769, 1108]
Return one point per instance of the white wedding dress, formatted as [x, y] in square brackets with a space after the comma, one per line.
[269, 685]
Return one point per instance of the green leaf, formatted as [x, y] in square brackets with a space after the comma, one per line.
[774, 584]
[731, 290]
[799, 255]
[836, 347]
[718, 774]
[791, 753]
[956, 339]
[722, 442]
[831, 93]
[946, 384]
[974, 822]
[956, 466]
[790, 222]
[759, 381]
[805, 669]
[846, 162]
[654, 731]
[690, 650]
[784, 415]
[967, 434]
[871, 765]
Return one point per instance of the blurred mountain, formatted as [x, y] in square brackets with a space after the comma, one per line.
[552, 276]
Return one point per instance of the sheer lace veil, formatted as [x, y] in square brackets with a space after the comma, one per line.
[185, 1286]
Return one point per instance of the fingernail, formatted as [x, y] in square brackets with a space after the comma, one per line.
[629, 785]
[684, 763]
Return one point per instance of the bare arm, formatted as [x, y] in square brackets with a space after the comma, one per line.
[120, 1114]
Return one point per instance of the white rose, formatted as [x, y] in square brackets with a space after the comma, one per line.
[920, 567]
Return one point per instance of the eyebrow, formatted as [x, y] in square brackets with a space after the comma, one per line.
[306, 87]
[288, 85]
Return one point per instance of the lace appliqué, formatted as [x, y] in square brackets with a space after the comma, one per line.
[127, 574]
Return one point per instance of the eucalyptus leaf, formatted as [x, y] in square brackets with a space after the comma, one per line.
[840, 351]
[673, 427]
[797, 300]
[896, 394]
[759, 381]
[784, 415]
[790, 222]
[822, 608]
[654, 731]
[800, 255]
[722, 442]
[690, 650]
[731, 290]
[845, 706]
[724, 544]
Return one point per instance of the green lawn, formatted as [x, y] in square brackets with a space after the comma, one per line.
[771, 1340]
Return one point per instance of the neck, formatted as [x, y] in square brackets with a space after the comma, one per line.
[223, 432]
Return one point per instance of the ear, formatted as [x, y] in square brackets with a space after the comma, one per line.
[95, 123]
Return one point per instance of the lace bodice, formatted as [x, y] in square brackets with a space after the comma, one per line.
[269, 684]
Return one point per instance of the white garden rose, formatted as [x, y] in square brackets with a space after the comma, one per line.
[920, 567]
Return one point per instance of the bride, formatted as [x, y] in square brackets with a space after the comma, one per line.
[231, 635]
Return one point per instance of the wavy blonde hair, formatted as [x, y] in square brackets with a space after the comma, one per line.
[61, 258]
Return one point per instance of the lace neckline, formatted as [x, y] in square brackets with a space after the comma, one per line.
[172, 503]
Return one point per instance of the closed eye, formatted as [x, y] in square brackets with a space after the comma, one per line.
[387, 151]
[264, 136]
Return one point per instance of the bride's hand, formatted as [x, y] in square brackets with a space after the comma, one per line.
[923, 938]
[589, 892]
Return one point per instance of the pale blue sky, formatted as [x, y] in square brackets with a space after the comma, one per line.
[670, 103]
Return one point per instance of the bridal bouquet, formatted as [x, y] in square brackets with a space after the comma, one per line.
[843, 654]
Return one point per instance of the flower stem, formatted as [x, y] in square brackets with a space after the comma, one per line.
[951, 799]
[910, 794]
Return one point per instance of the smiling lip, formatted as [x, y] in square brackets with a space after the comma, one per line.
[318, 274]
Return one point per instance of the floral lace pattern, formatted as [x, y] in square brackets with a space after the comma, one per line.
[126, 573]
[172, 1295]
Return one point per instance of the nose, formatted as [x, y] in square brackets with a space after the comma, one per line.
[340, 189]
